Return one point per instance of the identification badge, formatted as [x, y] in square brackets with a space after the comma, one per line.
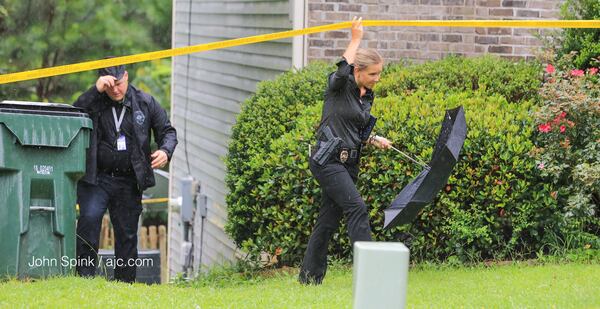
[121, 144]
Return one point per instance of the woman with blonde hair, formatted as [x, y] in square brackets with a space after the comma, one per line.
[334, 162]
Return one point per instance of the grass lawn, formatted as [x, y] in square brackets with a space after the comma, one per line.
[572, 285]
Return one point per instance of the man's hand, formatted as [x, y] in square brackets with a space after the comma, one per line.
[105, 82]
[159, 159]
[381, 142]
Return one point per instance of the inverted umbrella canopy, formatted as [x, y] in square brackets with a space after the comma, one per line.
[423, 189]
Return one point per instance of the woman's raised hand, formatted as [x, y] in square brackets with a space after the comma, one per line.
[357, 28]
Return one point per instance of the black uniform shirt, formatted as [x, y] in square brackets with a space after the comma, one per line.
[345, 111]
[110, 160]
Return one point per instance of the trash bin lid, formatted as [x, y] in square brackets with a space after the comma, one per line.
[38, 108]
[43, 124]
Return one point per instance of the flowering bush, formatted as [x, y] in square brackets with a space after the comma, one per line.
[567, 145]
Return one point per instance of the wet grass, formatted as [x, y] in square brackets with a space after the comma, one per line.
[571, 285]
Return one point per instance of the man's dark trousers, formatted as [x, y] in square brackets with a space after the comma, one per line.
[121, 196]
[340, 197]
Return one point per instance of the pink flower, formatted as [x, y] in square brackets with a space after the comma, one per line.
[593, 71]
[541, 166]
[560, 117]
[563, 129]
[550, 69]
[544, 128]
[577, 72]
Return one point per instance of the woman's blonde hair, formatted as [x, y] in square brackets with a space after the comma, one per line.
[366, 57]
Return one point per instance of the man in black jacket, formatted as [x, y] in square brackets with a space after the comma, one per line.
[118, 167]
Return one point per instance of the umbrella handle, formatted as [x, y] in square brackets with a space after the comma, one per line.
[410, 158]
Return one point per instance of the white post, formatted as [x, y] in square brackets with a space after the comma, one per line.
[298, 13]
[380, 274]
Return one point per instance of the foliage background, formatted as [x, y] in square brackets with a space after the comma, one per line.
[585, 43]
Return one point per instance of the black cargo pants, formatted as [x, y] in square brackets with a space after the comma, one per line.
[123, 200]
[339, 197]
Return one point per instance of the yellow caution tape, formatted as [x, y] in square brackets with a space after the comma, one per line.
[155, 200]
[91, 65]
[145, 201]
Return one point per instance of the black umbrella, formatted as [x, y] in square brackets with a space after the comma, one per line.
[423, 189]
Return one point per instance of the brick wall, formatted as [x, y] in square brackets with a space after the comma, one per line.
[428, 43]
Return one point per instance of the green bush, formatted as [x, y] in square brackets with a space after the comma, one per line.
[494, 206]
[584, 42]
[514, 81]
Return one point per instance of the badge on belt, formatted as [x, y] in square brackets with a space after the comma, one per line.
[344, 155]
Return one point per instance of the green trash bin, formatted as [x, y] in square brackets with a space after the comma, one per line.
[42, 155]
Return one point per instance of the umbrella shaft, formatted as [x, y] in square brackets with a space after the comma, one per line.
[410, 158]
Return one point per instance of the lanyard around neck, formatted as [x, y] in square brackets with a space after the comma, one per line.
[119, 120]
